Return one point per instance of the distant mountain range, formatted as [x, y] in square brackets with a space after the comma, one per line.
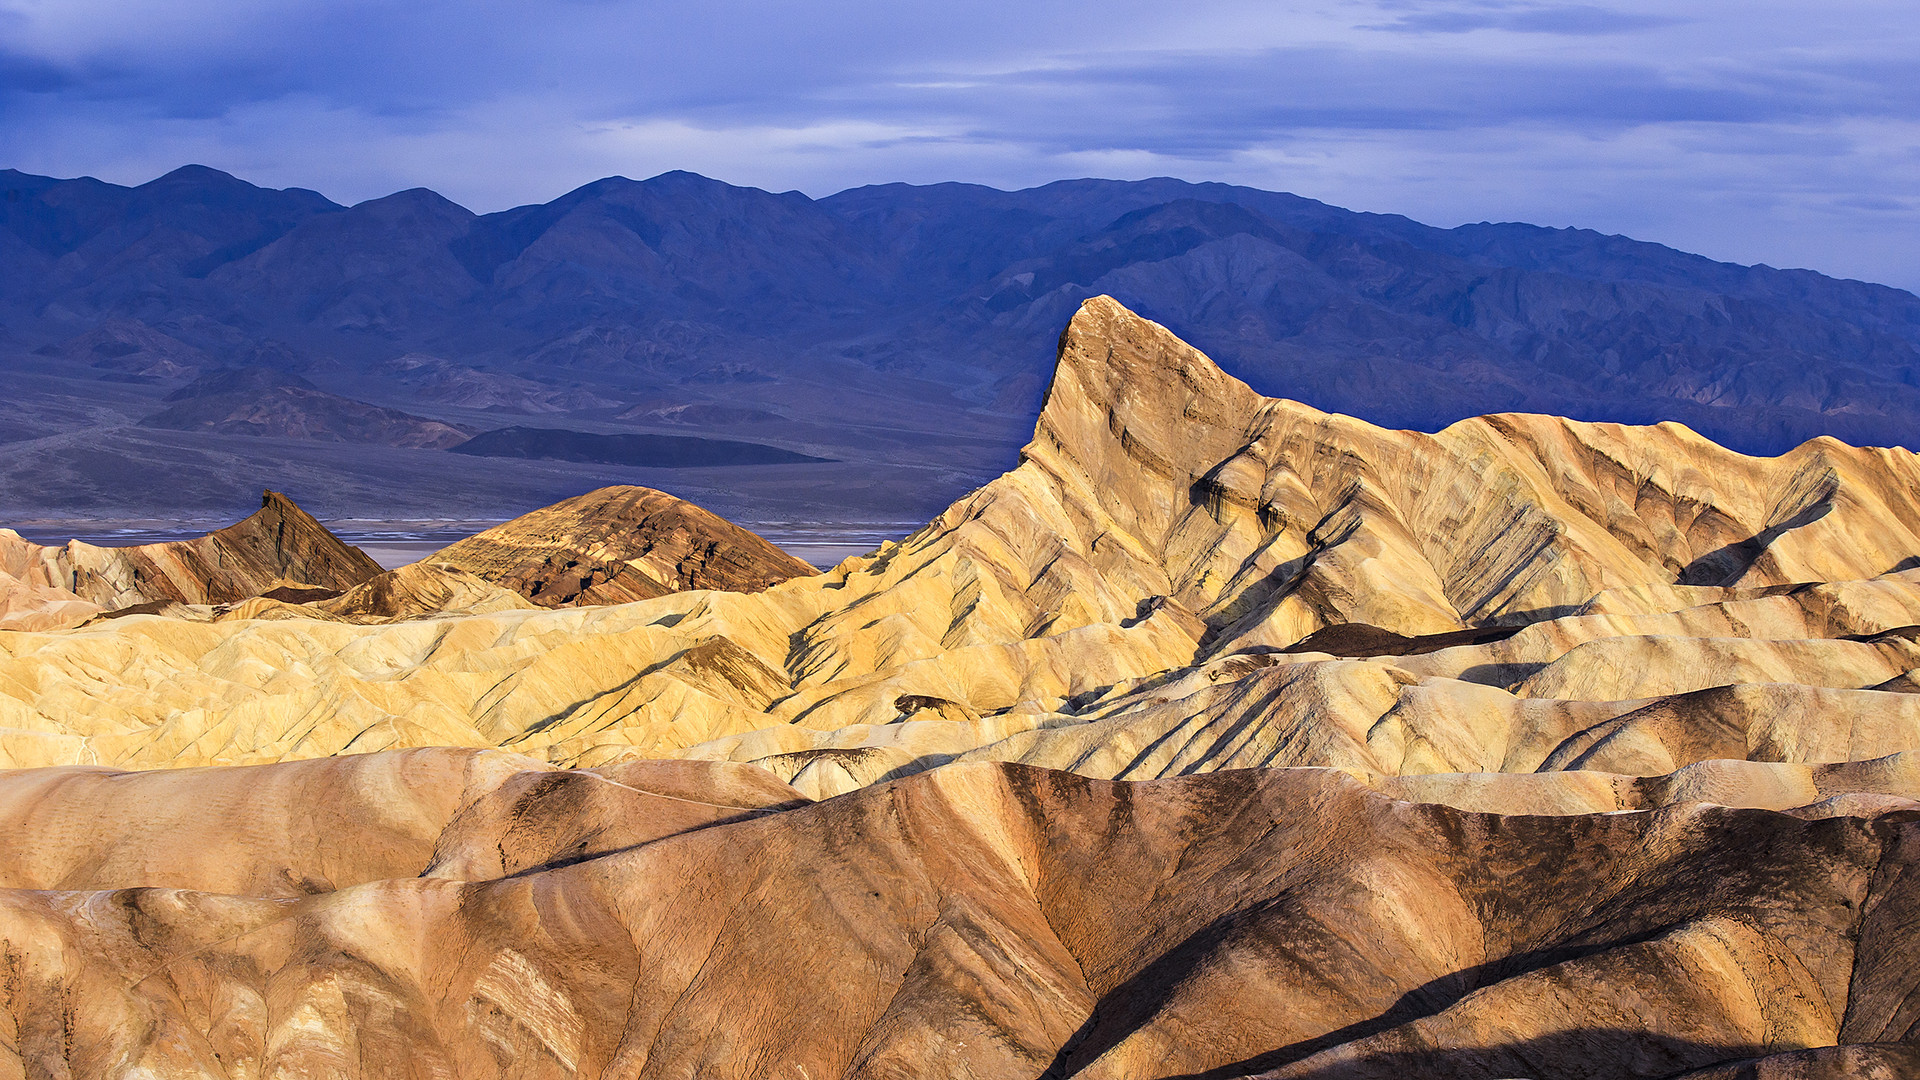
[871, 326]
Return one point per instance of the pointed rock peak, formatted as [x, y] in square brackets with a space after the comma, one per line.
[280, 504]
[279, 546]
[1127, 389]
[295, 546]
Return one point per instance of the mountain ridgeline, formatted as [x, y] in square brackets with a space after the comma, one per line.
[683, 291]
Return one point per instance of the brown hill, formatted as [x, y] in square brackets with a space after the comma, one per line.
[279, 544]
[619, 544]
[1112, 588]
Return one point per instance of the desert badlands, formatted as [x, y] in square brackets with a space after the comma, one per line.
[1221, 738]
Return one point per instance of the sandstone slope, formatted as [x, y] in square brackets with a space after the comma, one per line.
[1164, 520]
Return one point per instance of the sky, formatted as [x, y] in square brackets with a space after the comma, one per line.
[1753, 131]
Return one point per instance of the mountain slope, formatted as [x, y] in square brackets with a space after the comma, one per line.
[261, 402]
[1000, 921]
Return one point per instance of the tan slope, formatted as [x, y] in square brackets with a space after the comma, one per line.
[289, 829]
[297, 828]
[1359, 716]
[1271, 518]
[619, 544]
[1794, 689]
[998, 921]
[36, 603]
[423, 588]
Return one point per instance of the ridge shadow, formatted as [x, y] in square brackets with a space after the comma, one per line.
[1121, 1011]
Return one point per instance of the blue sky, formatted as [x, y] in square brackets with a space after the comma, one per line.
[1757, 131]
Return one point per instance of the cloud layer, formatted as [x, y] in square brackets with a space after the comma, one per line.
[1749, 131]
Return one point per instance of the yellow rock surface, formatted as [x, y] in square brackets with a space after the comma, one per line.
[995, 920]
[1164, 515]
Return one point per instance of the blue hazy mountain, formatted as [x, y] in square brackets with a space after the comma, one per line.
[900, 309]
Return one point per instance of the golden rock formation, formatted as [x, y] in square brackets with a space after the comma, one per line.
[1220, 738]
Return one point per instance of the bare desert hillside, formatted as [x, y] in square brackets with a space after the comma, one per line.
[1222, 737]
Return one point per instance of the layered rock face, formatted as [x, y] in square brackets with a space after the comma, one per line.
[280, 545]
[979, 920]
[1220, 738]
[619, 544]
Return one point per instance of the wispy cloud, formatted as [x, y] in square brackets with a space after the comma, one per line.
[1578, 20]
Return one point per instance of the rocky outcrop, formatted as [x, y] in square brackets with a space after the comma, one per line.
[297, 828]
[417, 589]
[280, 545]
[619, 544]
[1271, 519]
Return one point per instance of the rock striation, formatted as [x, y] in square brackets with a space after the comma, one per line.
[619, 544]
[1220, 738]
[982, 920]
[280, 545]
[1145, 544]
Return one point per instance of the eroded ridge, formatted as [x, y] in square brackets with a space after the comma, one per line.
[1220, 738]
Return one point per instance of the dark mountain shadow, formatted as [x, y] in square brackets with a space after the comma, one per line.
[1361, 640]
[1576, 1054]
[1726, 565]
[1123, 1010]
